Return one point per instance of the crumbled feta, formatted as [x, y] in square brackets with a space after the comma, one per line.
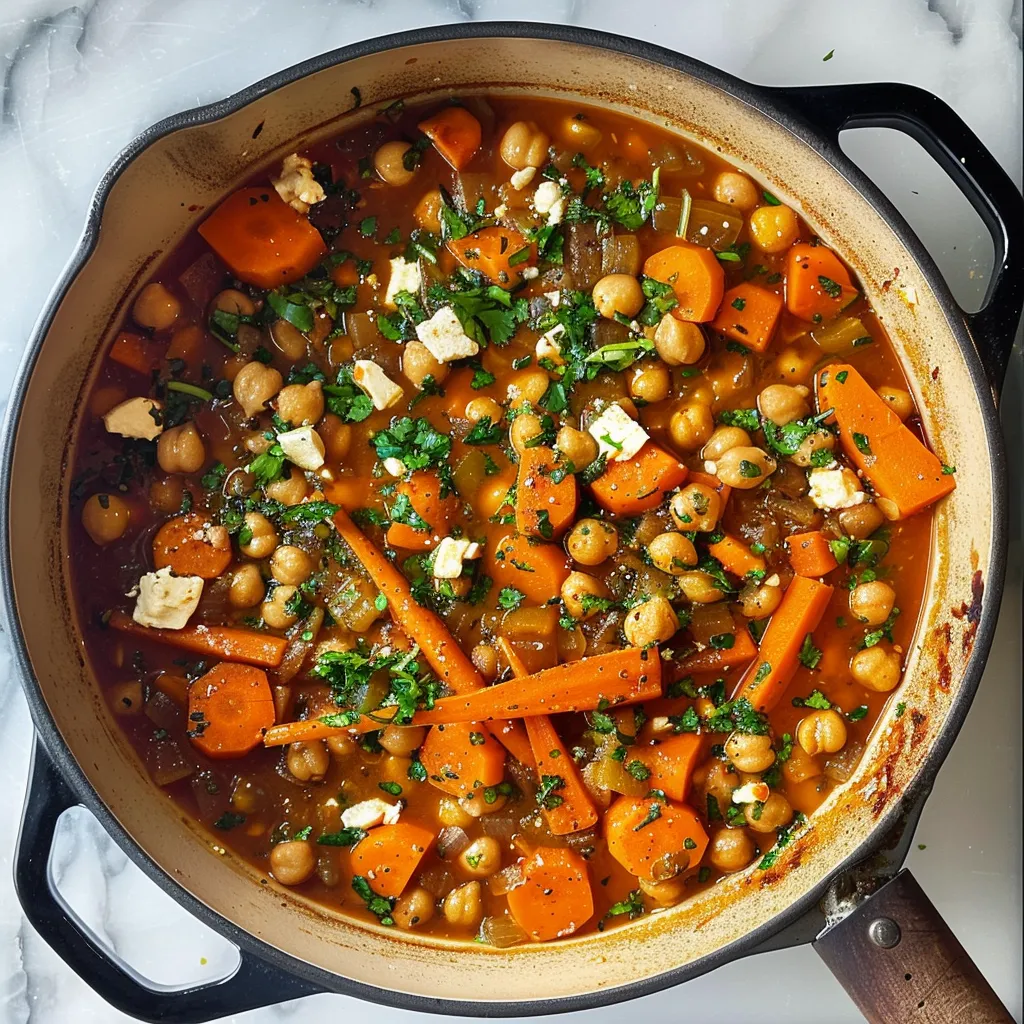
[549, 199]
[500, 210]
[547, 345]
[450, 554]
[296, 184]
[375, 384]
[835, 488]
[134, 418]
[303, 446]
[618, 435]
[166, 601]
[530, 273]
[370, 813]
[751, 793]
[405, 277]
[444, 337]
[522, 178]
[394, 467]
[554, 298]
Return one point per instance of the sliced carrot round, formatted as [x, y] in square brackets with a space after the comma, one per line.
[229, 709]
[388, 857]
[430, 515]
[696, 277]
[191, 547]
[536, 570]
[652, 838]
[462, 757]
[555, 898]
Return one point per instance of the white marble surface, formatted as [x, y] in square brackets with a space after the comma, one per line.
[80, 81]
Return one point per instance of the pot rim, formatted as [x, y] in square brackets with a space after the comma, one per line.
[766, 101]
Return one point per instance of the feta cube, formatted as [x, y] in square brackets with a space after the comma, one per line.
[370, 813]
[547, 345]
[835, 488]
[522, 178]
[549, 199]
[450, 554]
[554, 298]
[751, 793]
[296, 184]
[134, 418]
[166, 601]
[500, 211]
[530, 273]
[444, 337]
[303, 446]
[618, 435]
[394, 467]
[405, 277]
[375, 384]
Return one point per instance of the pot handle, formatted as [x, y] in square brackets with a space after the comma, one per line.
[972, 168]
[253, 985]
[899, 961]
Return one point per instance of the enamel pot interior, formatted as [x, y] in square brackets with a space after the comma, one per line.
[154, 199]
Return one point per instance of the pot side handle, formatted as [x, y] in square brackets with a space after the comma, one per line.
[255, 984]
[972, 168]
[899, 961]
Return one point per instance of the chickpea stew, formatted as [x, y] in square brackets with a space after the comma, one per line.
[522, 515]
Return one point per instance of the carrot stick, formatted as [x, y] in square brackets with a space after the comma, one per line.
[455, 133]
[696, 277]
[460, 758]
[173, 686]
[500, 254]
[646, 835]
[262, 239]
[389, 856]
[802, 607]
[818, 286]
[749, 315]
[735, 556]
[229, 709]
[810, 554]
[183, 543]
[672, 763]
[423, 489]
[536, 570]
[898, 465]
[227, 642]
[555, 897]
[135, 352]
[713, 659]
[638, 484]
[544, 509]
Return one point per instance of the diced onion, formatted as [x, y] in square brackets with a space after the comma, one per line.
[840, 335]
[506, 879]
[451, 841]
[710, 620]
[502, 932]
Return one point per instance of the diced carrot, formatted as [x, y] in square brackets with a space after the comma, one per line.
[175, 687]
[345, 275]
[714, 659]
[227, 642]
[350, 492]
[500, 254]
[262, 239]
[135, 352]
[389, 856]
[799, 614]
[810, 554]
[898, 465]
[555, 898]
[650, 837]
[544, 509]
[696, 277]
[818, 286]
[635, 485]
[749, 315]
[423, 489]
[455, 133]
[184, 544]
[462, 757]
[536, 570]
[187, 345]
[229, 709]
[735, 556]
[672, 762]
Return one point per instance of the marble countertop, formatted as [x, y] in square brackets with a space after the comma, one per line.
[80, 81]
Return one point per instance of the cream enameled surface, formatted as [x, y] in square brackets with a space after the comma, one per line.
[820, 208]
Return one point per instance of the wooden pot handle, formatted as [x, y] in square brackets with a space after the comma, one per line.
[899, 962]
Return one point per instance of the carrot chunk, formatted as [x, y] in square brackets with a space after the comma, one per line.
[818, 286]
[229, 709]
[555, 898]
[635, 485]
[389, 856]
[262, 239]
[461, 758]
[714, 659]
[135, 352]
[544, 509]
[431, 514]
[696, 277]
[536, 570]
[500, 254]
[185, 544]
[898, 465]
[810, 554]
[672, 762]
[749, 315]
[455, 133]
[651, 838]
[735, 556]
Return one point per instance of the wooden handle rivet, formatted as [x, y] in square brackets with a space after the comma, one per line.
[884, 932]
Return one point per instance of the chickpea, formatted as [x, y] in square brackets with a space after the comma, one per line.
[652, 622]
[262, 537]
[758, 602]
[181, 450]
[166, 494]
[301, 405]
[525, 428]
[861, 521]
[735, 189]
[247, 587]
[714, 779]
[793, 364]
[591, 541]
[679, 342]
[579, 132]
[524, 145]
[418, 364]
[402, 741]
[772, 814]
[773, 228]
[155, 307]
[618, 293]
[750, 753]
[650, 381]
[696, 507]
[288, 340]
[484, 409]
[427, 213]
[822, 732]
[126, 698]
[872, 602]
[666, 893]
[481, 858]
[476, 806]
[292, 861]
[413, 908]
[731, 849]
[254, 386]
[308, 762]
[389, 163]
[336, 436]
[744, 468]
[672, 553]
[722, 440]
[289, 490]
[577, 587]
[274, 611]
[898, 400]
[876, 668]
[691, 426]
[231, 300]
[341, 746]
[291, 565]
[105, 518]
[528, 388]
[699, 587]
[783, 404]
[451, 813]
[819, 440]
[800, 766]
[576, 446]
[464, 906]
